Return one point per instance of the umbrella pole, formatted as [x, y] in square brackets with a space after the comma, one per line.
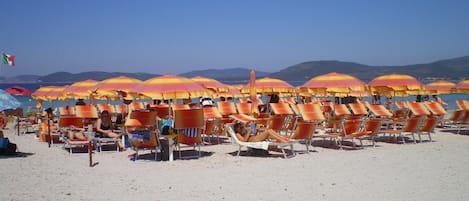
[48, 129]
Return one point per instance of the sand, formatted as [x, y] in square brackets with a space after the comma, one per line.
[422, 171]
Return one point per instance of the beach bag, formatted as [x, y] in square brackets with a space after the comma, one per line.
[6, 147]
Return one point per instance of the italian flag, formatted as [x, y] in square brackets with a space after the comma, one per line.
[9, 59]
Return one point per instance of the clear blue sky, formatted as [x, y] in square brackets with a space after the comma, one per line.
[180, 36]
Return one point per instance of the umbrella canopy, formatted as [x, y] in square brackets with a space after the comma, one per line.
[18, 91]
[440, 87]
[170, 87]
[110, 87]
[268, 85]
[48, 93]
[212, 84]
[7, 101]
[81, 89]
[336, 84]
[234, 91]
[395, 85]
[463, 86]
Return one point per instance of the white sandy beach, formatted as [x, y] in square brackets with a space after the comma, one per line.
[423, 171]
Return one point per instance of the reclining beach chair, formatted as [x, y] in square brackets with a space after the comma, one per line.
[411, 126]
[142, 129]
[67, 111]
[189, 124]
[304, 132]
[212, 118]
[65, 123]
[427, 127]
[418, 109]
[257, 145]
[89, 113]
[463, 104]
[281, 117]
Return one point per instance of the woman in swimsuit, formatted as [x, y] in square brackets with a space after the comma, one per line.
[104, 127]
[243, 133]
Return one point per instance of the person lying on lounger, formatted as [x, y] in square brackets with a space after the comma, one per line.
[104, 127]
[243, 133]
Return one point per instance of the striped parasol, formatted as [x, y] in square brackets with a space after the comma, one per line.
[440, 87]
[463, 86]
[110, 87]
[268, 85]
[170, 87]
[336, 84]
[212, 84]
[49, 93]
[234, 91]
[395, 85]
[81, 89]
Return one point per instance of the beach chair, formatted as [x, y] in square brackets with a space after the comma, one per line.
[64, 125]
[245, 108]
[427, 127]
[142, 129]
[264, 145]
[411, 126]
[418, 109]
[180, 107]
[341, 110]
[463, 121]
[212, 118]
[304, 133]
[370, 130]
[280, 118]
[67, 111]
[106, 106]
[401, 105]
[358, 109]
[463, 104]
[226, 109]
[136, 105]
[189, 124]
[379, 111]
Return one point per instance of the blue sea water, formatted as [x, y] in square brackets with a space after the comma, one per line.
[28, 103]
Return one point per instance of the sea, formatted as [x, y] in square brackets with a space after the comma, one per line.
[28, 103]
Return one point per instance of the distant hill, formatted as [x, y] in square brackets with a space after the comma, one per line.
[94, 75]
[455, 69]
[20, 78]
[450, 69]
[225, 74]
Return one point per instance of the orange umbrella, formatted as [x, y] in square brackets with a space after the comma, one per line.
[440, 87]
[336, 84]
[110, 87]
[395, 85]
[82, 89]
[270, 85]
[253, 90]
[234, 91]
[212, 84]
[463, 86]
[171, 87]
[48, 93]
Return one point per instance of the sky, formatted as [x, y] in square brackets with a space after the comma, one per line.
[176, 36]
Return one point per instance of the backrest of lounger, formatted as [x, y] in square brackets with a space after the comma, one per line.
[418, 108]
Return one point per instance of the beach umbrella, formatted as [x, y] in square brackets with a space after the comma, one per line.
[463, 86]
[7, 101]
[49, 93]
[212, 84]
[18, 91]
[233, 91]
[440, 87]
[171, 87]
[81, 89]
[336, 84]
[395, 85]
[268, 85]
[112, 87]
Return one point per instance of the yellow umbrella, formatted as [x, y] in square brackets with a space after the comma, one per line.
[463, 86]
[269, 85]
[440, 87]
[49, 93]
[113, 87]
[395, 85]
[171, 87]
[336, 84]
[212, 84]
[81, 89]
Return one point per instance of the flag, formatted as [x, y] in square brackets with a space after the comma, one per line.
[9, 59]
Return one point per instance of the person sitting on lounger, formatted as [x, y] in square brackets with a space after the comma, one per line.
[104, 127]
[75, 133]
[243, 133]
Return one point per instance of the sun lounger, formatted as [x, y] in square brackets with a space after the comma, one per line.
[257, 145]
